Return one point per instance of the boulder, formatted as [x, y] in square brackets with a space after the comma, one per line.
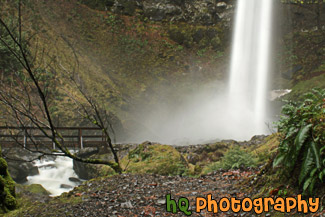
[33, 192]
[19, 164]
[19, 171]
[81, 168]
[88, 171]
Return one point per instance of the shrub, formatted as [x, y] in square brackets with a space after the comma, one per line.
[234, 158]
[302, 148]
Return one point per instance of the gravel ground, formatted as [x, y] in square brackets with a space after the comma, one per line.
[130, 195]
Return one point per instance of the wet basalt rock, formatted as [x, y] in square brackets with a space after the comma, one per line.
[19, 165]
[205, 12]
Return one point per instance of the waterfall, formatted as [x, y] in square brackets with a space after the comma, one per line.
[250, 65]
[237, 109]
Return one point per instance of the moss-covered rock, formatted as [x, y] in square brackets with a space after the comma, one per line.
[7, 188]
[91, 171]
[36, 189]
[155, 159]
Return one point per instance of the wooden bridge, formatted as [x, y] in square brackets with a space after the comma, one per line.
[32, 137]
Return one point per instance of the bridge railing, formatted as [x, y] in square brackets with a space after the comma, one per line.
[76, 137]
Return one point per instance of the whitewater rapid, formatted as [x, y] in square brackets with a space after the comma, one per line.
[53, 174]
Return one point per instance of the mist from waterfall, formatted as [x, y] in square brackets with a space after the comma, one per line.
[219, 110]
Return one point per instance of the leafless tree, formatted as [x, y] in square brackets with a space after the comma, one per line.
[27, 101]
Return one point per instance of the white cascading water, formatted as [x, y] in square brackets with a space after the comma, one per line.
[52, 174]
[250, 64]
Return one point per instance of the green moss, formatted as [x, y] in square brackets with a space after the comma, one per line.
[305, 86]
[7, 188]
[36, 189]
[195, 35]
[106, 171]
[156, 159]
[3, 167]
[10, 185]
[264, 151]
[10, 201]
[65, 198]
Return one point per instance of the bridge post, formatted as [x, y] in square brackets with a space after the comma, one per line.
[80, 138]
[82, 143]
[25, 139]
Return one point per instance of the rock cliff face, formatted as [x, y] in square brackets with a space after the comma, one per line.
[204, 12]
[306, 17]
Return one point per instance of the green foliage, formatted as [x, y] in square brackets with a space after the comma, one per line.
[237, 158]
[303, 144]
[234, 158]
[8, 62]
[201, 52]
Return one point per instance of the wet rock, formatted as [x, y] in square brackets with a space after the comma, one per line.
[65, 186]
[19, 171]
[87, 152]
[81, 168]
[74, 179]
[48, 166]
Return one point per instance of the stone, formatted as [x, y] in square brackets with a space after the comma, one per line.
[20, 171]
[65, 186]
[48, 166]
[74, 179]
[127, 205]
[161, 202]
[221, 5]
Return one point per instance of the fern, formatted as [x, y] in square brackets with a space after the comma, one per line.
[303, 130]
